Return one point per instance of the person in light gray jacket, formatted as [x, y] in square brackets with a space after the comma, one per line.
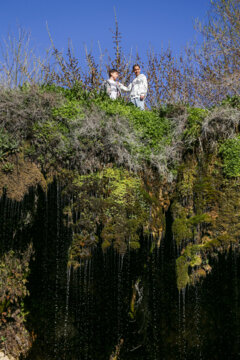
[138, 88]
[111, 86]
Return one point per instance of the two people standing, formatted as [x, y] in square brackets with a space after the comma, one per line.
[137, 88]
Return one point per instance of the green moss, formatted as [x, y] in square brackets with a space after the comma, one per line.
[196, 261]
[225, 239]
[206, 190]
[199, 219]
[178, 211]
[106, 244]
[112, 200]
[212, 244]
[211, 212]
[182, 272]
[181, 230]
[187, 264]
[187, 173]
[183, 226]
[230, 152]
[134, 245]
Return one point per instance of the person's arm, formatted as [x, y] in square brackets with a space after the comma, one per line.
[125, 88]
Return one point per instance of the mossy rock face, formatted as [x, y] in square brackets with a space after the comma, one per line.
[230, 152]
[106, 244]
[115, 208]
[191, 265]
[111, 203]
[181, 230]
[206, 222]
[134, 245]
[182, 272]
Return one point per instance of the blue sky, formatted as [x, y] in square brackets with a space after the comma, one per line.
[155, 22]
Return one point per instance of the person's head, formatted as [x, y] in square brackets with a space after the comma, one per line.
[113, 74]
[136, 69]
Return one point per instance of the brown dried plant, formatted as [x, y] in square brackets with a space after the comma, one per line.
[219, 59]
[19, 62]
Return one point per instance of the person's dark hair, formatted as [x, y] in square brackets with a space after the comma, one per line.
[112, 71]
[135, 66]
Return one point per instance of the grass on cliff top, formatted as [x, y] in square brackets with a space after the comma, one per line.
[82, 130]
[150, 125]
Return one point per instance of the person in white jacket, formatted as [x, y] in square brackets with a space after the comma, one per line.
[138, 88]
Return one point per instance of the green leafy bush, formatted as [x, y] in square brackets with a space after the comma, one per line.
[194, 125]
[230, 151]
[233, 101]
[153, 130]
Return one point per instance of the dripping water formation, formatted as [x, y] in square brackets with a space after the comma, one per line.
[117, 306]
